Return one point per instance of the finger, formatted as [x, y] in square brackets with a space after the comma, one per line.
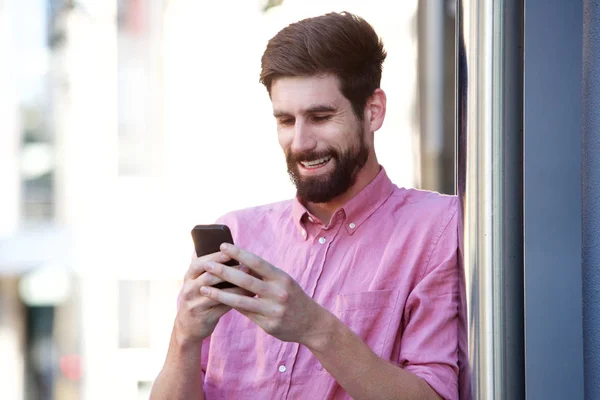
[250, 315]
[239, 291]
[196, 301]
[237, 301]
[252, 261]
[207, 279]
[210, 279]
[197, 265]
[238, 278]
[247, 270]
[190, 294]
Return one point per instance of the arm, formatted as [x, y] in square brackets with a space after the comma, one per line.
[181, 376]
[361, 373]
[197, 316]
[429, 344]
[431, 337]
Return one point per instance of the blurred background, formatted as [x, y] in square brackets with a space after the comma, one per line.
[125, 123]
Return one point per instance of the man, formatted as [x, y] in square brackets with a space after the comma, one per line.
[350, 290]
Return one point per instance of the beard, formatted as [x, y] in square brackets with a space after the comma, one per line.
[324, 188]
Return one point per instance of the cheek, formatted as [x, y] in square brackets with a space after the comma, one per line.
[284, 139]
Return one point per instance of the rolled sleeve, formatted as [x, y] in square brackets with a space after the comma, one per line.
[429, 344]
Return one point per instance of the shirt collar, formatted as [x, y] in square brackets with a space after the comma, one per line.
[357, 209]
[298, 212]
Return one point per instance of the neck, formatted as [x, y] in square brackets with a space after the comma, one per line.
[324, 211]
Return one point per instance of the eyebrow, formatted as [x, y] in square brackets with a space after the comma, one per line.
[318, 108]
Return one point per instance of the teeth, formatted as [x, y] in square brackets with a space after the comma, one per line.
[316, 162]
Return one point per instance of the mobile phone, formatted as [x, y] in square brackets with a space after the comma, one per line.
[208, 239]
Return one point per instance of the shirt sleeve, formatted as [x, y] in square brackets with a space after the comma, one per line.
[205, 348]
[429, 344]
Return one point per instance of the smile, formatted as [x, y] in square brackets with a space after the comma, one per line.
[315, 163]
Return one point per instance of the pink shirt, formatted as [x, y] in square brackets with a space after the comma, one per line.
[386, 266]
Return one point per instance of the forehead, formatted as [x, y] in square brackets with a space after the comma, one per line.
[294, 94]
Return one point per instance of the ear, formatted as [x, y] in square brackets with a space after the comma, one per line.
[375, 110]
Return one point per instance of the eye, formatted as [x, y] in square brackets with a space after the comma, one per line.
[320, 118]
[285, 121]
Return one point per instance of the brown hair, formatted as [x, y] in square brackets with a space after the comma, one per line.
[341, 44]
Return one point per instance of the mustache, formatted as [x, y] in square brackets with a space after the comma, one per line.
[297, 157]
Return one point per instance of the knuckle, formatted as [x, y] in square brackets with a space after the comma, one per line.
[206, 279]
[222, 257]
[221, 269]
[187, 293]
[278, 312]
[239, 302]
[192, 270]
[233, 250]
[283, 296]
[221, 272]
[274, 326]
[288, 283]
[246, 281]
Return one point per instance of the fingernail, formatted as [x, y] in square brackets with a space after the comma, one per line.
[209, 266]
[204, 290]
[225, 246]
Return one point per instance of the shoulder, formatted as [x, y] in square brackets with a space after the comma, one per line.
[262, 216]
[438, 217]
[428, 220]
[425, 205]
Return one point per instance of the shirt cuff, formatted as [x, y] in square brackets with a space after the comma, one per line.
[446, 390]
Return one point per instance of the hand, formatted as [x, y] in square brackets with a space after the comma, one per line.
[280, 308]
[198, 315]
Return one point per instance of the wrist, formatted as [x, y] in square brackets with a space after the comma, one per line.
[184, 341]
[325, 329]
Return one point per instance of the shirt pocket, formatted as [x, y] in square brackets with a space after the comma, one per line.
[369, 315]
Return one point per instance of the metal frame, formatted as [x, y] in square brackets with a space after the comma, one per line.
[490, 186]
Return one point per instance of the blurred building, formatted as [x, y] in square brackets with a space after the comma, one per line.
[33, 249]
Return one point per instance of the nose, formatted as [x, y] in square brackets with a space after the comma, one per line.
[304, 139]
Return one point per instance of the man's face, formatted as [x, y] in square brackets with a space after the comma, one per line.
[323, 140]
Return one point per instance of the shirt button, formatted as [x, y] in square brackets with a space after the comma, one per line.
[304, 233]
[322, 240]
[352, 225]
[282, 368]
